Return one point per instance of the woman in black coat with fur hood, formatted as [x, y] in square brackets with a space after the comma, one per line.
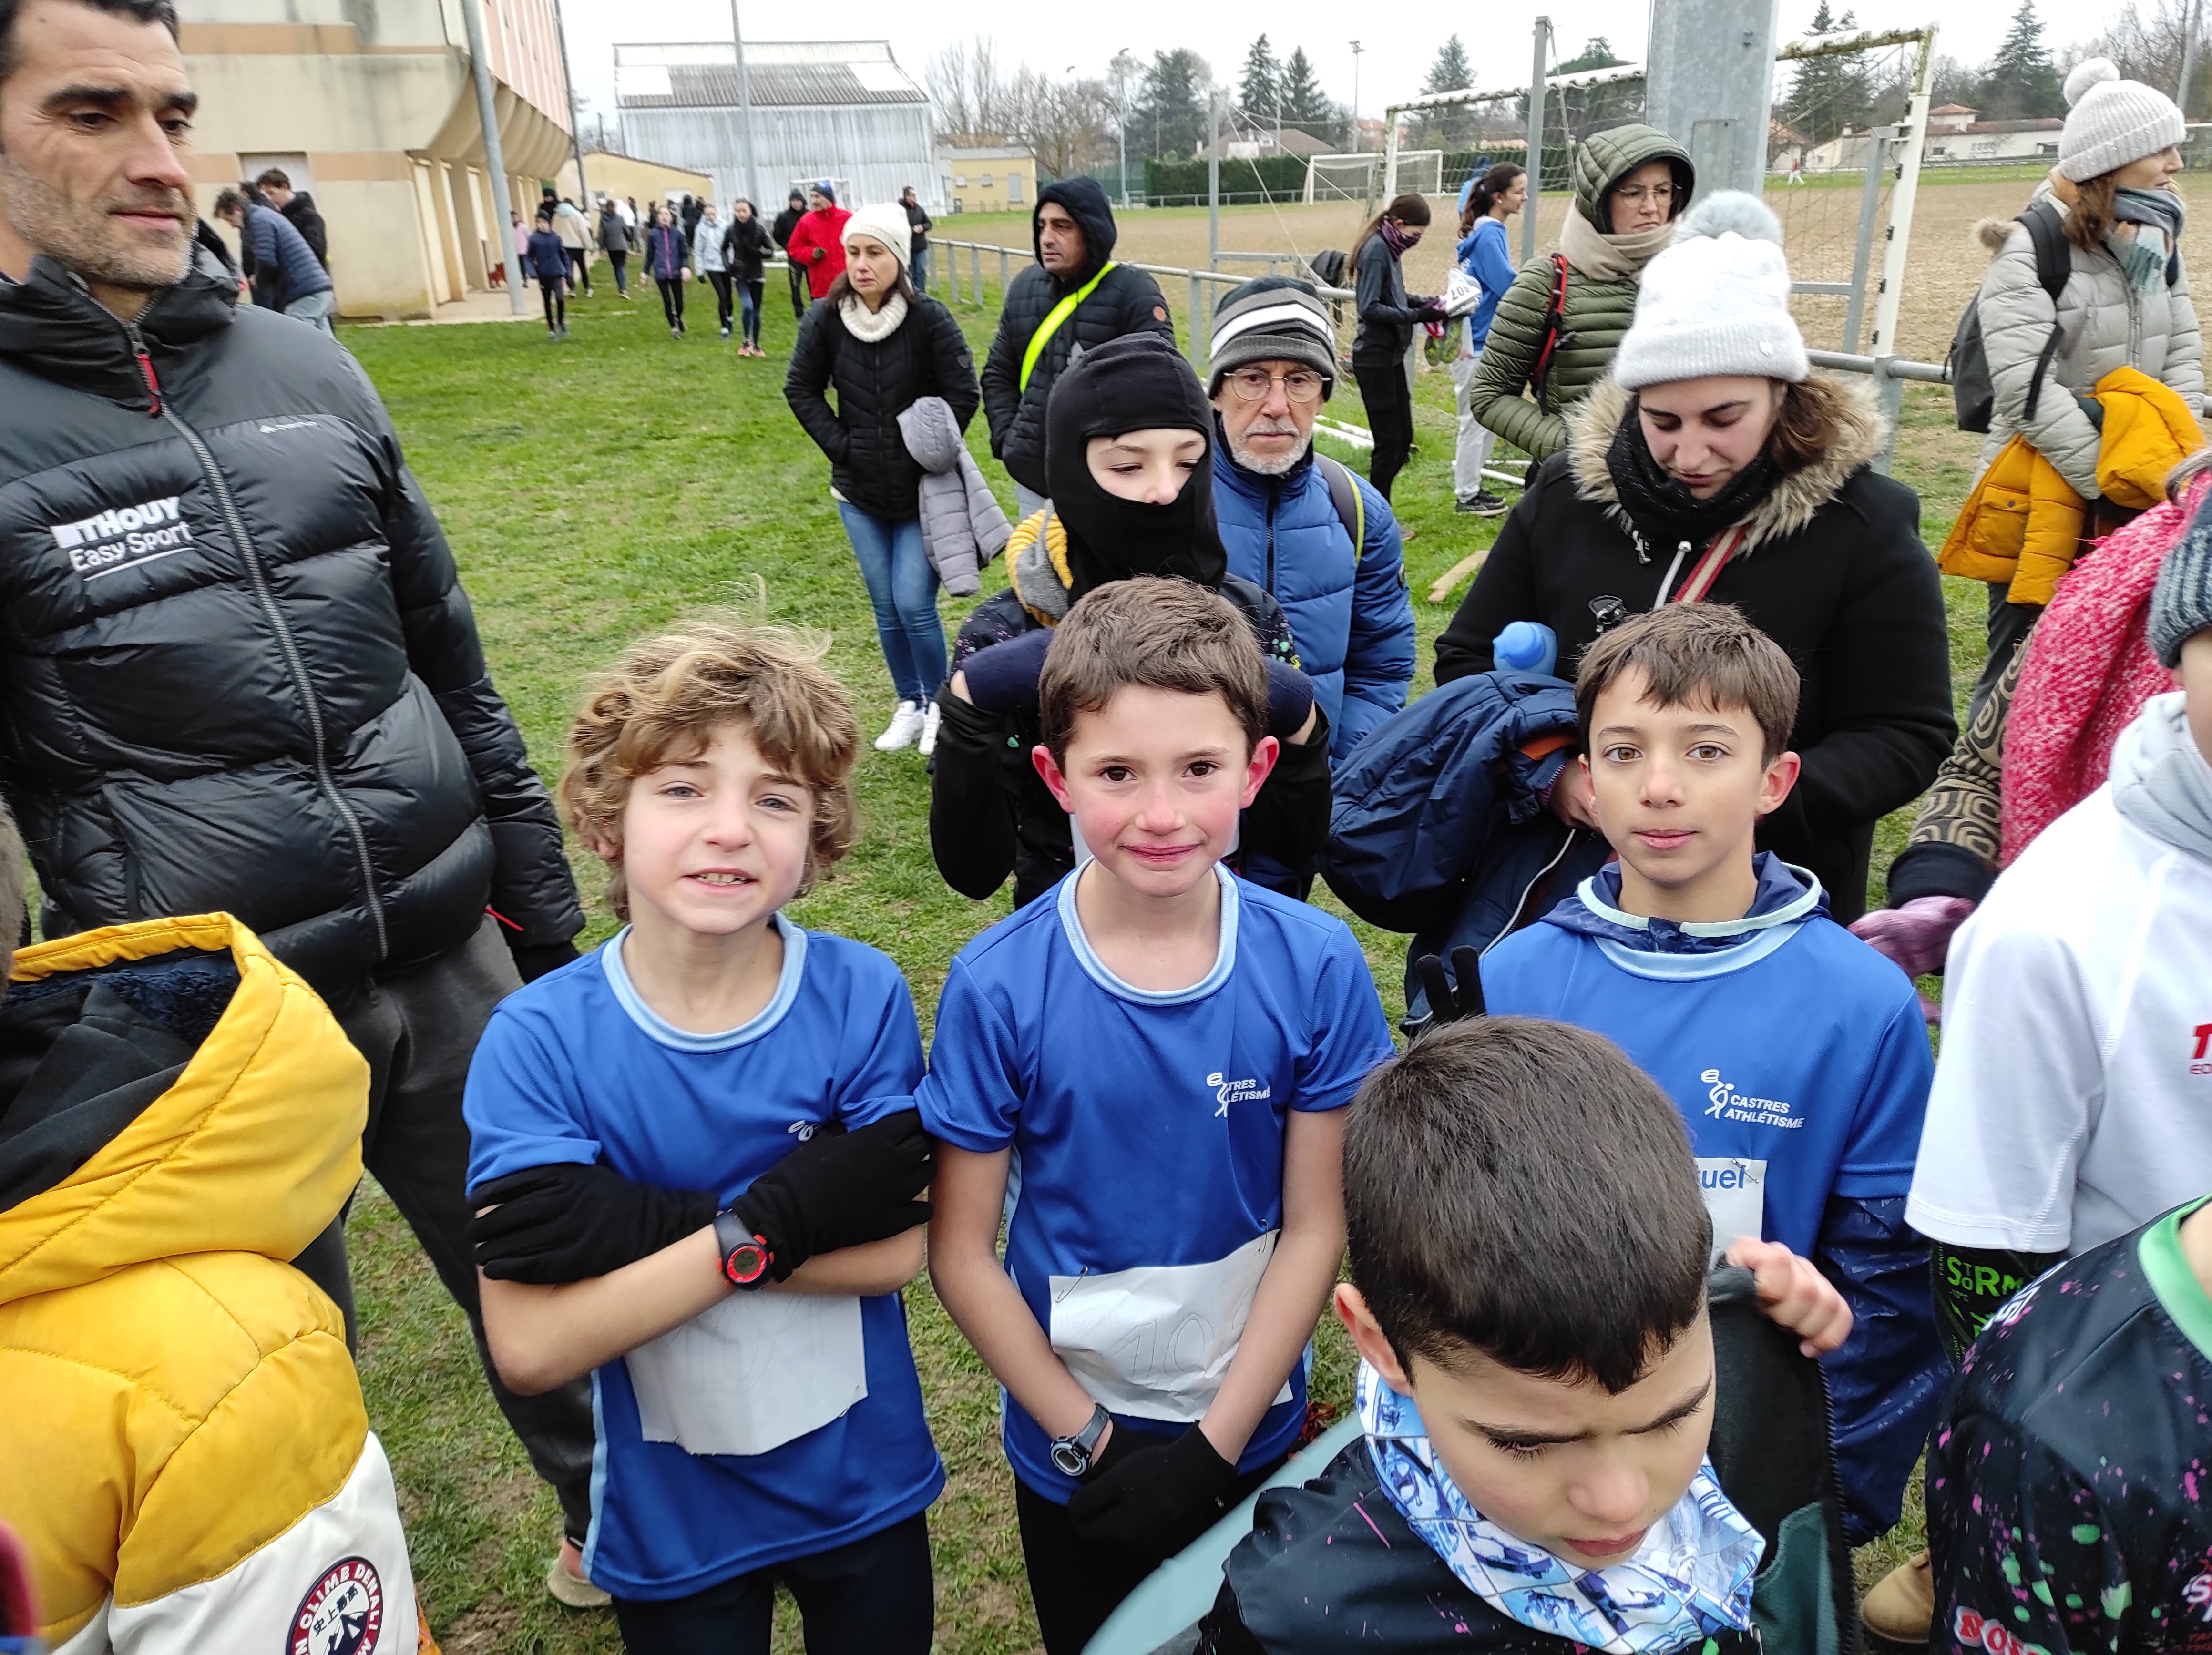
[1714, 464]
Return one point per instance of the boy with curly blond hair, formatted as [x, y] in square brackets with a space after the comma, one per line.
[696, 1157]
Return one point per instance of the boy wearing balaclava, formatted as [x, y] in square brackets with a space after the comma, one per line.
[1121, 419]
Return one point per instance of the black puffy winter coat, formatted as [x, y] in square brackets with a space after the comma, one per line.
[237, 669]
[1127, 302]
[1832, 569]
[876, 380]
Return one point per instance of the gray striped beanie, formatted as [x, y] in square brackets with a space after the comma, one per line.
[2181, 604]
[1271, 318]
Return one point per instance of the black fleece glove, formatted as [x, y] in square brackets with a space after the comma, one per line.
[841, 1189]
[533, 959]
[1446, 1005]
[568, 1222]
[1152, 1502]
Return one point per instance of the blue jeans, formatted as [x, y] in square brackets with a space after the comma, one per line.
[749, 298]
[903, 588]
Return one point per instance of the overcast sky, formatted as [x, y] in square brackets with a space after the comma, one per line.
[1054, 36]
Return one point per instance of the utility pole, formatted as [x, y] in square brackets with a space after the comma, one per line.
[495, 157]
[1356, 145]
[1212, 184]
[752, 191]
[575, 116]
[2188, 58]
[1120, 67]
[1537, 71]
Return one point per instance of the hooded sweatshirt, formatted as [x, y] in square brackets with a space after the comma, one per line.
[1126, 301]
[2073, 1100]
[180, 1116]
[1799, 1060]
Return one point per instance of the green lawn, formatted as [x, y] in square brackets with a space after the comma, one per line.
[600, 488]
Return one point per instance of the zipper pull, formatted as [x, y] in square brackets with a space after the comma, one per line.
[145, 369]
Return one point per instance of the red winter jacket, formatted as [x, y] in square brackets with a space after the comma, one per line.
[817, 246]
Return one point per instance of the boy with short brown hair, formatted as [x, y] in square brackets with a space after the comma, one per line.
[1795, 1053]
[1165, 1048]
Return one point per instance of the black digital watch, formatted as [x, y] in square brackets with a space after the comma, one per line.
[1071, 1456]
[745, 1255]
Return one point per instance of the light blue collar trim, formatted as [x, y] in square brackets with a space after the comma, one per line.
[659, 1029]
[1224, 955]
[1788, 914]
[1687, 968]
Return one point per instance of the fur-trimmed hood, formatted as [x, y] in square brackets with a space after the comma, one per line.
[1855, 432]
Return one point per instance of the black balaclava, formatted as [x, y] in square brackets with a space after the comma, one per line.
[1136, 383]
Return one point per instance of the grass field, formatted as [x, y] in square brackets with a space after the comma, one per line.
[600, 488]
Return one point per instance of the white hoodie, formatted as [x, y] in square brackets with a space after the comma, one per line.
[2073, 1098]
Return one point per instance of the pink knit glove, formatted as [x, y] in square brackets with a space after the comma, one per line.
[1916, 936]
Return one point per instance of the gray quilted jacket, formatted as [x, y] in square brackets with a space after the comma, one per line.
[962, 525]
[2107, 325]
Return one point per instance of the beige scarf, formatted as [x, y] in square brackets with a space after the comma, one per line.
[870, 326]
[1610, 258]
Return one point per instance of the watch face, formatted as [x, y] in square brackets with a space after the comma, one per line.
[746, 1263]
[1070, 1460]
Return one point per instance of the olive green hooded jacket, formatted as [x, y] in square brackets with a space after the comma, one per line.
[1594, 316]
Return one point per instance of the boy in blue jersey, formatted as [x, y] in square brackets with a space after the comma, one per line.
[1144, 1070]
[696, 1157]
[1795, 1053]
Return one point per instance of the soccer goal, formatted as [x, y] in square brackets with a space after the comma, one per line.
[1360, 177]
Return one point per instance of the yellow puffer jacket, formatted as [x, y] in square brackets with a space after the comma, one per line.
[2022, 523]
[186, 1454]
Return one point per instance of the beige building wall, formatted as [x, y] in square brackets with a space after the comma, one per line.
[370, 105]
[987, 180]
[626, 176]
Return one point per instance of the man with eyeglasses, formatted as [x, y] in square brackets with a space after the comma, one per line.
[1320, 539]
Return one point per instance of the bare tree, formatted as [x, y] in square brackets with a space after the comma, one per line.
[2145, 41]
[1067, 124]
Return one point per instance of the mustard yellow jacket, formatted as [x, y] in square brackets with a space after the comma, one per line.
[185, 1452]
[2021, 526]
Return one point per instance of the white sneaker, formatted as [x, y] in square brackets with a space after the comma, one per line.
[931, 716]
[905, 726]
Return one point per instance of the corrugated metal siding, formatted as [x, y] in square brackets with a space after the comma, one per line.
[879, 147]
[799, 85]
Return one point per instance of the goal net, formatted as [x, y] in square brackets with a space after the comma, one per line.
[1361, 178]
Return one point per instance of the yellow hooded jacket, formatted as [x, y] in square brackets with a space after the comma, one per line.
[186, 1453]
[2022, 523]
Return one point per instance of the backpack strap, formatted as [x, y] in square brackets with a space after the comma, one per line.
[1351, 504]
[2054, 263]
[1555, 314]
[1051, 324]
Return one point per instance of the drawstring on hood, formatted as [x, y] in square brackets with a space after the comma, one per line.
[1136, 383]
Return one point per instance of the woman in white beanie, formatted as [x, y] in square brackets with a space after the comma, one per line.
[2126, 302]
[881, 347]
[1714, 463]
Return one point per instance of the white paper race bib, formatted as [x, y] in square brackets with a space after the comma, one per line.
[1735, 1195]
[751, 1373]
[1155, 1343]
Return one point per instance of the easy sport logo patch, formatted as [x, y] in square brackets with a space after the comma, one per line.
[121, 538]
[342, 1612]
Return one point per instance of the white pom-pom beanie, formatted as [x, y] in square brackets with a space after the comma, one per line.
[887, 222]
[2111, 122]
[1715, 301]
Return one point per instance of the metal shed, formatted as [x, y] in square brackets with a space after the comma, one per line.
[840, 109]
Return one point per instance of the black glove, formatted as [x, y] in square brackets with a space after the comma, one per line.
[1446, 1006]
[568, 1222]
[839, 1189]
[1153, 1502]
[533, 959]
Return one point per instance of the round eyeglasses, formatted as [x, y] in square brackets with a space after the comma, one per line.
[1299, 384]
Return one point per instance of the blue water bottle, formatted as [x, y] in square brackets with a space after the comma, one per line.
[1526, 646]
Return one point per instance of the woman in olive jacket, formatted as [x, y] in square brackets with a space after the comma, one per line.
[1730, 453]
[881, 346]
[1631, 184]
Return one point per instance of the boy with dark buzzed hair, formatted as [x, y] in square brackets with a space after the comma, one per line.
[1795, 1053]
[1540, 1377]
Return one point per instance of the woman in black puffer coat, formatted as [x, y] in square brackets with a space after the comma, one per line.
[881, 346]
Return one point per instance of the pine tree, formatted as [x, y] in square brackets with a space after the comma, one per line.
[1597, 52]
[2021, 83]
[1305, 105]
[1451, 72]
[1829, 93]
[1259, 86]
[1169, 122]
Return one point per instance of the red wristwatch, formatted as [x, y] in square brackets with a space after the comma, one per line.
[745, 1256]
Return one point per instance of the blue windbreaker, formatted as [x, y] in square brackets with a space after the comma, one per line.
[1799, 1059]
[1351, 617]
[1486, 254]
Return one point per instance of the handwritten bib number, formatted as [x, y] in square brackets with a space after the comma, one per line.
[1155, 1343]
[1735, 1195]
[753, 1372]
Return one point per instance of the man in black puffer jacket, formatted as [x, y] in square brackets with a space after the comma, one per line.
[1073, 231]
[239, 670]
